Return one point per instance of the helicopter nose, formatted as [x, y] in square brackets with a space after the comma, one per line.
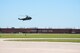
[30, 18]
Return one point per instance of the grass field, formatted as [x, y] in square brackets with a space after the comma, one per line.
[48, 36]
[39, 35]
[48, 40]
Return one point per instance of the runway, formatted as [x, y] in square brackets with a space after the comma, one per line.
[38, 47]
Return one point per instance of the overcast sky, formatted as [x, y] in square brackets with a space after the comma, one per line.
[44, 13]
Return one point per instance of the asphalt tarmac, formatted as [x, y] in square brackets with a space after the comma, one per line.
[38, 47]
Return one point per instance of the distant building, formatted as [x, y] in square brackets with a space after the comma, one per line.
[37, 30]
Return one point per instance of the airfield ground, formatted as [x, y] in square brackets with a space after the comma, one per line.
[43, 37]
[16, 43]
[38, 47]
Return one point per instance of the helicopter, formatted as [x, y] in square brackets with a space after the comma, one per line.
[25, 18]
